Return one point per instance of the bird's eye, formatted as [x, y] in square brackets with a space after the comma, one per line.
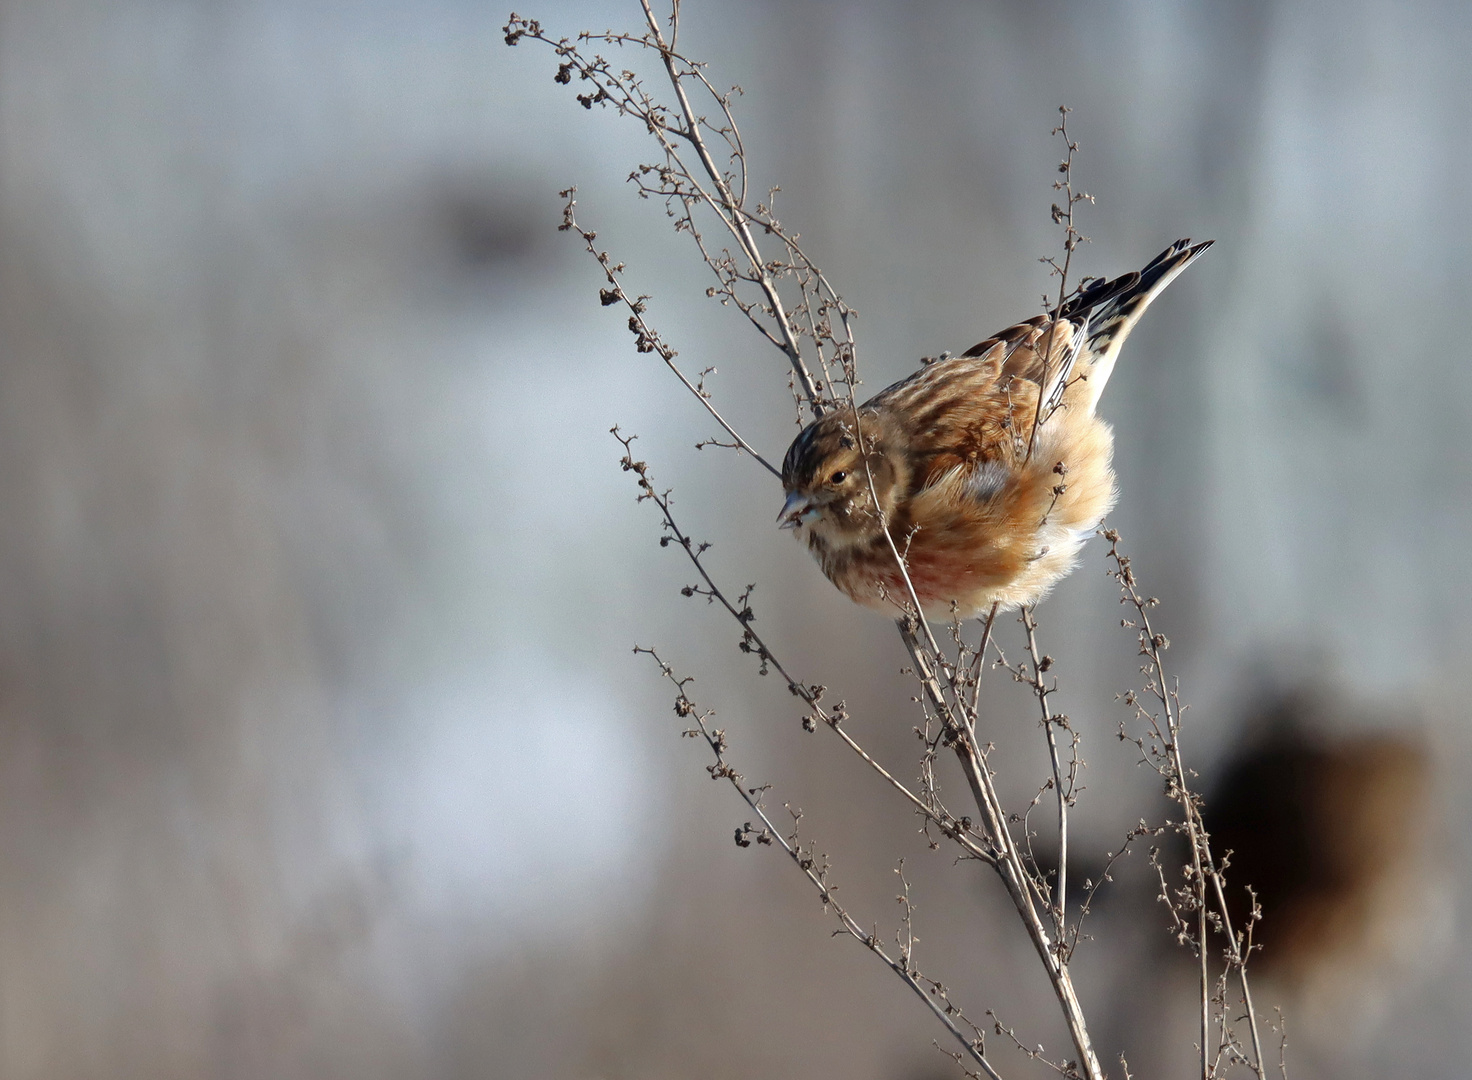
[837, 478]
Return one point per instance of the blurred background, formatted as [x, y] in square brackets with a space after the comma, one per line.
[323, 752]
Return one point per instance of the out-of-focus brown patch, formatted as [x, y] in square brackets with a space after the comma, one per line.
[1322, 828]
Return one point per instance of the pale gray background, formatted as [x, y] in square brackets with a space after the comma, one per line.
[322, 750]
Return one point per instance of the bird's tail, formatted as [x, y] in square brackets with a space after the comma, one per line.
[1106, 312]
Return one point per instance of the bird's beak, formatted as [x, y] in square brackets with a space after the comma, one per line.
[796, 511]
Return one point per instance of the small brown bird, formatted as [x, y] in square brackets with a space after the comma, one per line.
[989, 469]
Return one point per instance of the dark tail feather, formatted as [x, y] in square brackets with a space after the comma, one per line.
[1109, 309]
[1105, 298]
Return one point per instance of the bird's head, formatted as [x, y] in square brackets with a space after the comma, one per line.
[827, 479]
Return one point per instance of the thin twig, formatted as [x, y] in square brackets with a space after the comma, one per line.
[647, 339]
[1205, 877]
[752, 643]
[816, 872]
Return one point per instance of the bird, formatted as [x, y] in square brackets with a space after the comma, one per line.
[975, 481]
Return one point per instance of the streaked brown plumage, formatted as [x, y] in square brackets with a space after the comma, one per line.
[990, 468]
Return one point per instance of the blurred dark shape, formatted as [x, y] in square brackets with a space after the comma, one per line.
[1318, 826]
[485, 226]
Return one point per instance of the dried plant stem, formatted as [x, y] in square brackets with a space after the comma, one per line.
[751, 642]
[737, 222]
[816, 872]
[1162, 748]
[1021, 887]
[1062, 215]
[647, 338]
[1040, 665]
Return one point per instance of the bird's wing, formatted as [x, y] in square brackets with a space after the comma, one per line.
[964, 412]
[971, 417]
